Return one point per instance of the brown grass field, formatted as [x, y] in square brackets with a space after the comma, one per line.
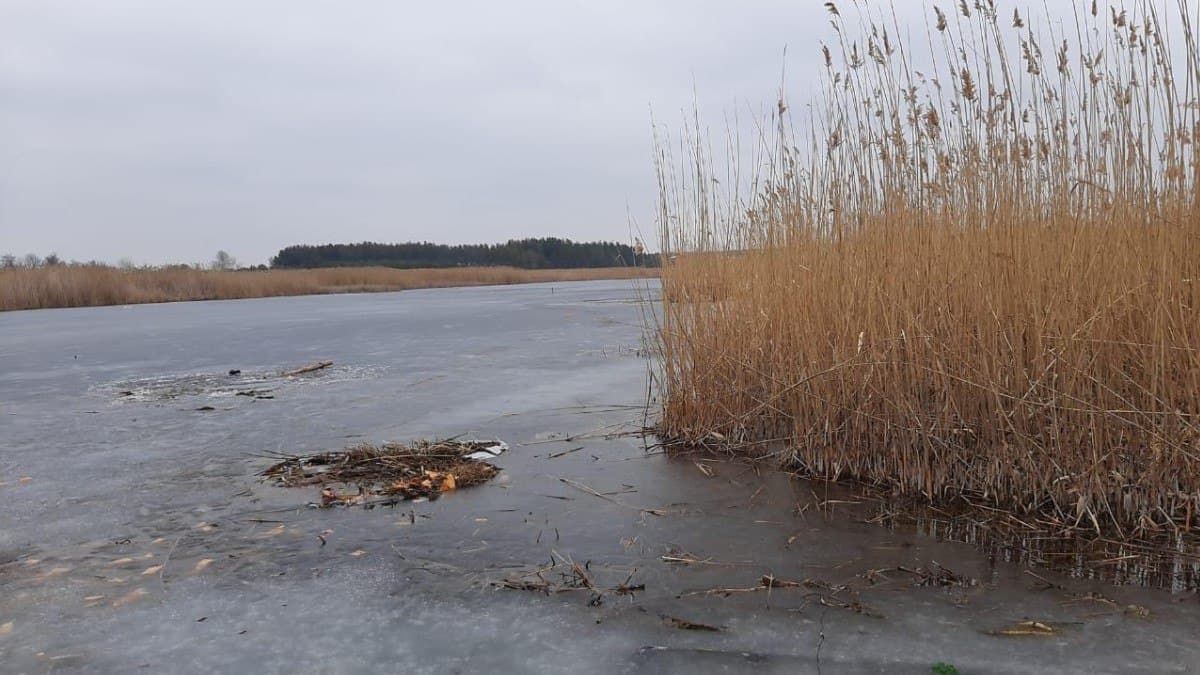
[972, 278]
[85, 286]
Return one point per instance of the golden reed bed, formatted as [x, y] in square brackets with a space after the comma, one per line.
[975, 274]
[83, 286]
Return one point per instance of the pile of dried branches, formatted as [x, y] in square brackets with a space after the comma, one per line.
[423, 469]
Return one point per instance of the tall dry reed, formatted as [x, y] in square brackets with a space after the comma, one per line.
[975, 273]
[90, 285]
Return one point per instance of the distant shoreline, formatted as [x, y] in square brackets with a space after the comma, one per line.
[92, 286]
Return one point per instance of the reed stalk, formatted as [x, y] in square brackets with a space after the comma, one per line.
[974, 269]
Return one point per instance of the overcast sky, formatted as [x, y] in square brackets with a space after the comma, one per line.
[163, 130]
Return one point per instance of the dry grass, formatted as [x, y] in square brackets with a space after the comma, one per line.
[84, 286]
[982, 278]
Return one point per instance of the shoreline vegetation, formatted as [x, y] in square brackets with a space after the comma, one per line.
[972, 277]
[58, 286]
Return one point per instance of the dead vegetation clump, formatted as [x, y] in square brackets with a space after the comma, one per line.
[933, 575]
[975, 274]
[826, 594]
[393, 470]
[563, 575]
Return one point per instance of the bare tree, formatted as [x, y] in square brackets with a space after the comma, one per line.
[52, 259]
[31, 260]
[224, 261]
[8, 261]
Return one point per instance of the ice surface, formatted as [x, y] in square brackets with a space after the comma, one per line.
[142, 538]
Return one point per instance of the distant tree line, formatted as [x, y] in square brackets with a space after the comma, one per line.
[547, 252]
[29, 261]
[222, 262]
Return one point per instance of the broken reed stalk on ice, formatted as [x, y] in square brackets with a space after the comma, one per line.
[976, 273]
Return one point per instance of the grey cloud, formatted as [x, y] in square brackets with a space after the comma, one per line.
[163, 131]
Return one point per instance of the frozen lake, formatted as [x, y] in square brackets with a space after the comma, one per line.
[134, 532]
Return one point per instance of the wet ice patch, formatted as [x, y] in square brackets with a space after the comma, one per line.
[170, 387]
[610, 351]
[248, 383]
